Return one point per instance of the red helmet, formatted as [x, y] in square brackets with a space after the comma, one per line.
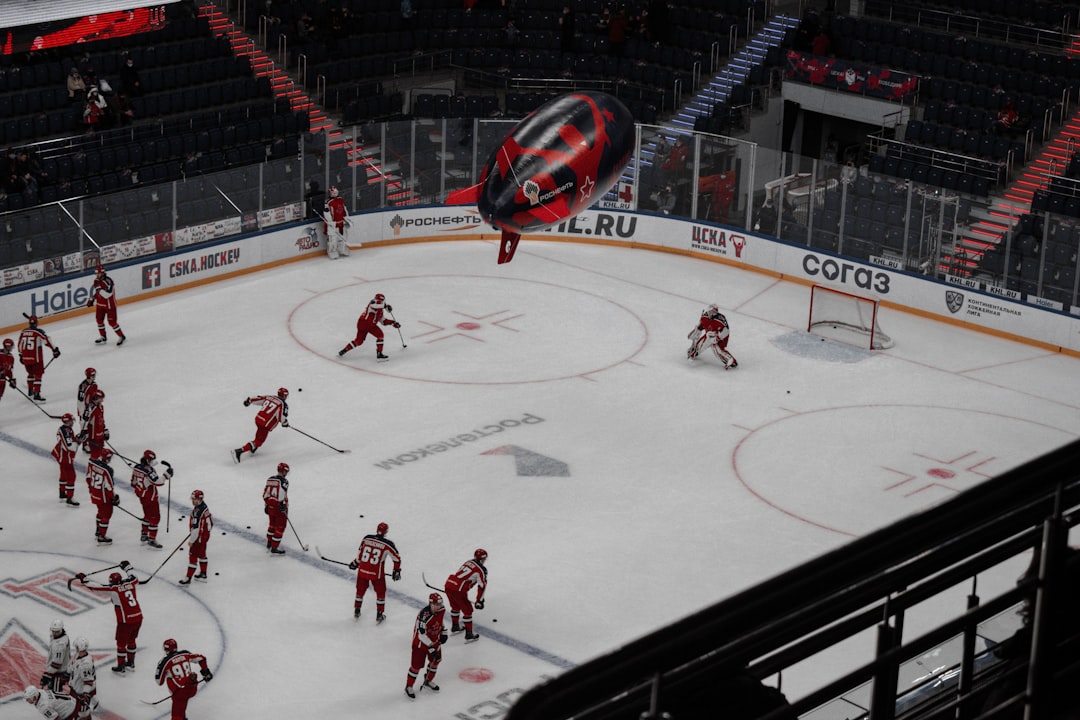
[98, 395]
[149, 456]
[283, 468]
[90, 372]
[480, 555]
[382, 529]
[435, 599]
[100, 269]
[282, 393]
[106, 455]
[67, 419]
[380, 298]
[115, 578]
[169, 646]
[33, 320]
[197, 496]
[8, 343]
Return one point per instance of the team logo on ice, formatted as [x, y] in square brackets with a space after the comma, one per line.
[954, 301]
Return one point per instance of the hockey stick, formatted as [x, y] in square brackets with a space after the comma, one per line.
[323, 557]
[143, 582]
[95, 572]
[293, 528]
[400, 336]
[442, 590]
[293, 427]
[168, 495]
[31, 400]
[168, 697]
[129, 461]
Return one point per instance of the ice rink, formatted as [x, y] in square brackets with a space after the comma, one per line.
[543, 410]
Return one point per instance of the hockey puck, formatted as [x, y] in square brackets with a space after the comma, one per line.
[361, 516]
[217, 573]
[300, 390]
[249, 527]
[222, 532]
[494, 619]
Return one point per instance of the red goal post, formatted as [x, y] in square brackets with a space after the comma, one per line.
[844, 316]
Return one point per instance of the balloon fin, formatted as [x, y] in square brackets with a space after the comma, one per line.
[465, 196]
[507, 246]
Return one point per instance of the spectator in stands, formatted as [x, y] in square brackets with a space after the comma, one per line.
[665, 200]
[90, 78]
[511, 33]
[123, 112]
[820, 44]
[129, 79]
[567, 29]
[617, 27]
[76, 87]
[657, 22]
[675, 164]
[1006, 119]
[765, 222]
[94, 112]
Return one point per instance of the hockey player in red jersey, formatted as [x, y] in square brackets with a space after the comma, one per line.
[369, 322]
[85, 394]
[129, 617]
[335, 218]
[94, 433]
[471, 573]
[274, 410]
[100, 480]
[370, 566]
[103, 297]
[200, 524]
[276, 507]
[427, 640]
[145, 481]
[67, 444]
[7, 365]
[32, 344]
[712, 331]
[177, 672]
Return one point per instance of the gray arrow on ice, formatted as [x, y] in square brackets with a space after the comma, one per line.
[531, 464]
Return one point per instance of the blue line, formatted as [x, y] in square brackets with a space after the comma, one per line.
[315, 562]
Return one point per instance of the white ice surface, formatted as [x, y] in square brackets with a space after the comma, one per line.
[684, 483]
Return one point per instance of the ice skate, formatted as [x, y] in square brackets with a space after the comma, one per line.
[410, 693]
[380, 357]
[236, 455]
[100, 341]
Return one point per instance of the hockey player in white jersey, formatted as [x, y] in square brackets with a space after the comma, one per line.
[58, 664]
[83, 683]
[54, 706]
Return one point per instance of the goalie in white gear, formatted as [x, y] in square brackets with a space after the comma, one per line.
[336, 217]
[712, 331]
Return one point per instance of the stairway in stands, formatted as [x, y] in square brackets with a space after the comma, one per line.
[719, 89]
[989, 226]
[285, 86]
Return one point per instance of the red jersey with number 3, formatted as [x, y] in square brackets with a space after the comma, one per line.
[125, 601]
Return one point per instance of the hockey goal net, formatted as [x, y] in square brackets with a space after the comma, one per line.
[844, 316]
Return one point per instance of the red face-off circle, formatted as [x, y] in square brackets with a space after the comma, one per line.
[476, 675]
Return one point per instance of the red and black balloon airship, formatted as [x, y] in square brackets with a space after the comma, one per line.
[554, 164]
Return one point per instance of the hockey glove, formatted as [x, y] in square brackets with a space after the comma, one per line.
[396, 575]
[443, 638]
[479, 603]
[106, 433]
[116, 500]
[11, 381]
[169, 474]
[434, 655]
[266, 509]
[125, 566]
[353, 565]
[247, 402]
[56, 352]
[90, 302]
[283, 508]
[46, 680]
[80, 576]
[389, 309]
[207, 676]
[397, 324]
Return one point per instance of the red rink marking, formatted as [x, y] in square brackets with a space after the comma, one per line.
[476, 675]
[941, 473]
[468, 326]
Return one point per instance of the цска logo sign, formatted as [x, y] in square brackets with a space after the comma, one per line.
[954, 301]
